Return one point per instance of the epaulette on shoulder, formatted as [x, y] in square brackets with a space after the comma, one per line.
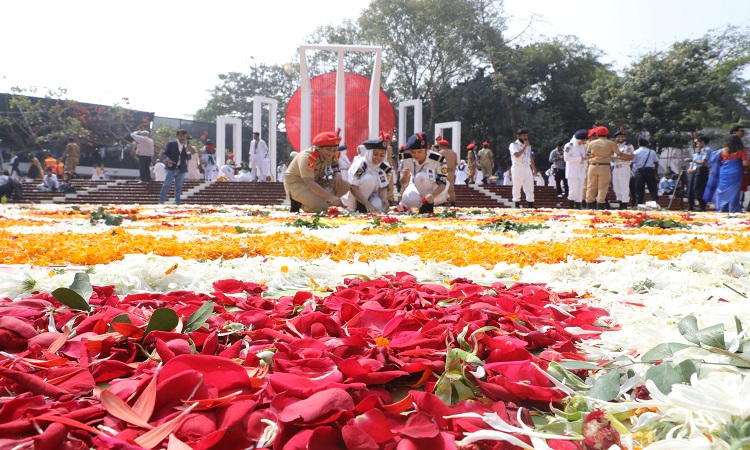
[437, 157]
[385, 167]
[408, 156]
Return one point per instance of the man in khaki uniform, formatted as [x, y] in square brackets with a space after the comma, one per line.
[599, 173]
[486, 162]
[305, 180]
[451, 160]
[471, 161]
[71, 156]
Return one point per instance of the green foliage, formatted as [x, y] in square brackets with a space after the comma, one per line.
[666, 224]
[315, 224]
[737, 434]
[504, 225]
[199, 317]
[77, 296]
[101, 215]
[693, 85]
[162, 319]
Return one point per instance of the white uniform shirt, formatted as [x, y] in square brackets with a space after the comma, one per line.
[434, 166]
[575, 166]
[360, 166]
[522, 161]
[626, 149]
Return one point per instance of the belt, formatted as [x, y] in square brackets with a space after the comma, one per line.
[599, 164]
[620, 166]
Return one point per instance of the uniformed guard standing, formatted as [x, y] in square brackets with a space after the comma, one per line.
[451, 160]
[305, 180]
[486, 161]
[599, 174]
[471, 161]
[621, 170]
[575, 157]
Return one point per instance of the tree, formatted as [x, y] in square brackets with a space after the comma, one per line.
[41, 123]
[671, 94]
[232, 96]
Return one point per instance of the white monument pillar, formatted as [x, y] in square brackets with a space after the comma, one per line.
[455, 128]
[221, 137]
[258, 103]
[417, 104]
[305, 128]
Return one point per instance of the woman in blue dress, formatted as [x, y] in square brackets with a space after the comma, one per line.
[725, 181]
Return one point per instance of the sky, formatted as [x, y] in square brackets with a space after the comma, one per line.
[164, 56]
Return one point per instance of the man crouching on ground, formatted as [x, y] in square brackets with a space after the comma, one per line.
[307, 181]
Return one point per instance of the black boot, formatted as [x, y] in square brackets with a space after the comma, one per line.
[427, 208]
[517, 204]
[571, 204]
[601, 206]
[294, 205]
[531, 205]
[623, 205]
[361, 208]
[702, 205]
[579, 205]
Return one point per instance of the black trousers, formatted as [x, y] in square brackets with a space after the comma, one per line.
[646, 177]
[12, 189]
[561, 181]
[144, 166]
[696, 186]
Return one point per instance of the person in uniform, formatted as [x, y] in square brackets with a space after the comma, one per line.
[344, 162]
[621, 170]
[305, 181]
[574, 154]
[71, 155]
[424, 174]
[698, 173]
[210, 169]
[599, 174]
[369, 176]
[451, 160]
[259, 163]
[486, 162]
[522, 169]
[471, 161]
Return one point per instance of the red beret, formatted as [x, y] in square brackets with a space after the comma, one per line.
[444, 143]
[485, 144]
[471, 146]
[592, 132]
[601, 131]
[328, 139]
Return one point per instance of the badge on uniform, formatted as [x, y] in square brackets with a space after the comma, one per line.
[312, 160]
[359, 173]
[444, 170]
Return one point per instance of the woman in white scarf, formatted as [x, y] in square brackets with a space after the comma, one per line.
[368, 176]
[575, 167]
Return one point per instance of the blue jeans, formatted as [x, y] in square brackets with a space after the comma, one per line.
[178, 178]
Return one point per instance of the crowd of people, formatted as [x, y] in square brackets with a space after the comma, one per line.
[426, 173]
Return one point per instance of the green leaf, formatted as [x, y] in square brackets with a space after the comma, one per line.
[606, 387]
[687, 368]
[575, 365]
[162, 319]
[199, 317]
[71, 299]
[738, 324]
[662, 352]
[688, 328]
[82, 285]
[712, 336]
[663, 376]
[461, 338]
[121, 318]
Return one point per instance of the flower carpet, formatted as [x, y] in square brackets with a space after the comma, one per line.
[188, 327]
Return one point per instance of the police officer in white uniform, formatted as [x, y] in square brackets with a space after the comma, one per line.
[575, 167]
[369, 177]
[621, 170]
[425, 175]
